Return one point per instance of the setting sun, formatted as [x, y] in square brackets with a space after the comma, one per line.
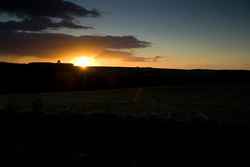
[84, 61]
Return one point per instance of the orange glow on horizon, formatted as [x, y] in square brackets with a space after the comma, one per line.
[84, 61]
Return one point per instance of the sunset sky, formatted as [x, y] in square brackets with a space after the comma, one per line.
[153, 33]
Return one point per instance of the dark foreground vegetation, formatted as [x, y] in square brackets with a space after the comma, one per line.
[128, 127]
[98, 139]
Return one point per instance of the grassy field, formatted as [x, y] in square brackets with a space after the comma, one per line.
[74, 127]
[224, 103]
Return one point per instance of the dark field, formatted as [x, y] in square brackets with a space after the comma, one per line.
[89, 123]
[127, 127]
[217, 102]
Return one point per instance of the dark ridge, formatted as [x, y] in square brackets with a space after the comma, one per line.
[50, 77]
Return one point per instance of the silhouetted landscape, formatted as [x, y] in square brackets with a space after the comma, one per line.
[59, 113]
[49, 77]
[119, 83]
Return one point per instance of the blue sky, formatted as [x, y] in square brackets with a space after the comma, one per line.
[213, 32]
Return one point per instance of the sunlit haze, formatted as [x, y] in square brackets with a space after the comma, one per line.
[84, 61]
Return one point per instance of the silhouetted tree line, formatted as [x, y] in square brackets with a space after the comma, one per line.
[45, 77]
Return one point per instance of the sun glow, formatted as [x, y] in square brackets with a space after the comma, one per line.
[84, 61]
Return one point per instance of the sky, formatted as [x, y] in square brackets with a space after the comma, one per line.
[211, 34]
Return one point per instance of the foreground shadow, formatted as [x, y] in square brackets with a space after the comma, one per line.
[102, 139]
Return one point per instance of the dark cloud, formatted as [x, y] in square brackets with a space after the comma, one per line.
[127, 56]
[53, 45]
[38, 15]
[123, 55]
[116, 42]
[24, 38]
[45, 8]
[38, 24]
